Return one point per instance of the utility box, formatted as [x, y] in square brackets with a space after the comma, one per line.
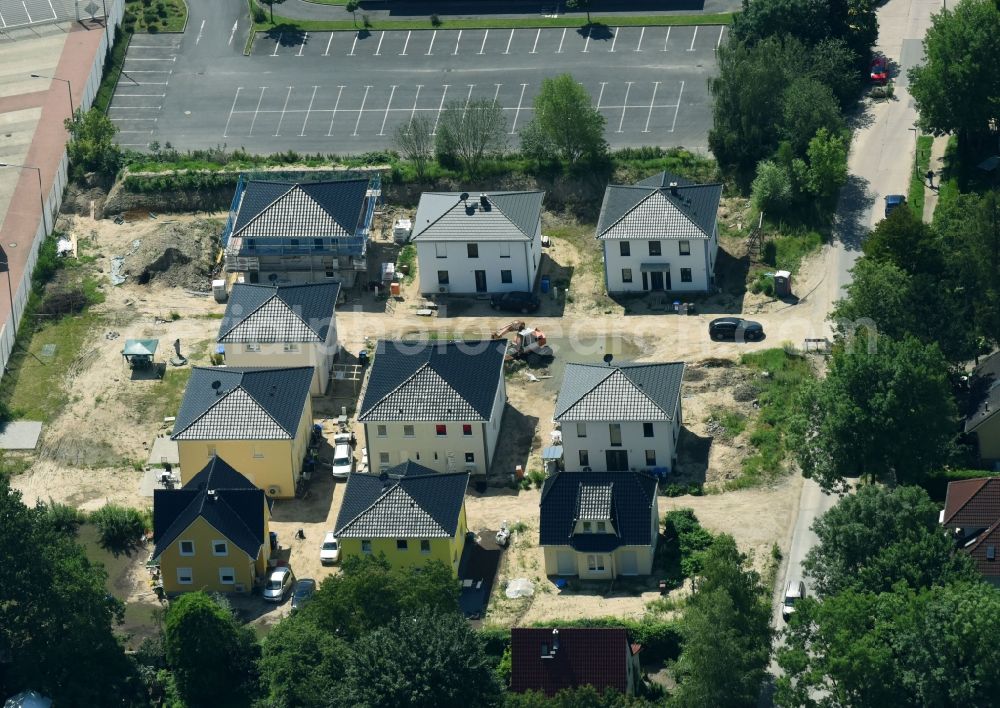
[782, 283]
[401, 230]
[219, 290]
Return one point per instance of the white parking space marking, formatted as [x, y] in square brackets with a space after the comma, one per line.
[483, 48]
[277, 44]
[693, 37]
[652, 102]
[440, 107]
[666, 41]
[497, 94]
[509, 40]
[406, 43]
[601, 94]
[586, 45]
[430, 49]
[722, 29]
[517, 113]
[642, 34]
[414, 109]
[677, 107]
[259, 100]
[305, 38]
[277, 131]
[378, 50]
[614, 39]
[353, 45]
[201, 30]
[225, 133]
[387, 107]
[457, 42]
[340, 90]
[628, 89]
[561, 40]
[535, 45]
[328, 43]
[467, 100]
[362, 111]
[308, 111]
[232, 34]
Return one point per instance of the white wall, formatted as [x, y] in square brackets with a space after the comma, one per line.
[701, 261]
[426, 446]
[598, 440]
[522, 262]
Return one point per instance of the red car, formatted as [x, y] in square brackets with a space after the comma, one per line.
[880, 70]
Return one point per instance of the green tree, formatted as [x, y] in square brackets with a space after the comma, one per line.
[121, 528]
[91, 147]
[827, 171]
[771, 191]
[878, 537]
[469, 133]
[808, 107]
[957, 88]
[270, 5]
[301, 666]
[904, 239]
[884, 411]
[211, 656]
[879, 297]
[809, 21]
[416, 143]
[426, 660]
[565, 123]
[580, 5]
[836, 65]
[727, 632]
[56, 616]
[352, 7]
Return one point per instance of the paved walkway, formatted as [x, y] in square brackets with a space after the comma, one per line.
[937, 164]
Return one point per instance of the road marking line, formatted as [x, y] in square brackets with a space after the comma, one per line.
[586, 45]
[225, 133]
[277, 130]
[122, 120]
[440, 106]
[406, 43]
[601, 94]
[457, 41]
[233, 33]
[149, 71]
[652, 102]
[302, 46]
[497, 94]
[150, 83]
[378, 50]
[134, 144]
[517, 113]
[677, 108]
[361, 111]
[308, 111]
[414, 109]
[200, 31]
[328, 43]
[151, 59]
[354, 45]
[535, 45]
[386, 116]
[139, 95]
[561, 40]
[26, 11]
[277, 44]
[628, 89]
[614, 39]
[483, 48]
[641, 35]
[719, 42]
[509, 40]
[145, 132]
[693, 37]
[667, 40]
[467, 100]
[335, 106]
[430, 49]
[262, 89]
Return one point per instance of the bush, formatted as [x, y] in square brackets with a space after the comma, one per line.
[771, 191]
[121, 528]
[936, 483]
[674, 490]
[435, 21]
[62, 517]
[537, 478]
[682, 529]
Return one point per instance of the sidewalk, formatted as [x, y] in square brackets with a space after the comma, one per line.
[937, 165]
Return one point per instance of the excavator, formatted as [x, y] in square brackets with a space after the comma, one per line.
[526, 341]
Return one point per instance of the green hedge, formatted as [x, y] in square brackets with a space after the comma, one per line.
[936, 484]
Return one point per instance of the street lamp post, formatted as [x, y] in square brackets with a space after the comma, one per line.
[69, 88]
[41, 190]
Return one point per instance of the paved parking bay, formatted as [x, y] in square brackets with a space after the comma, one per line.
[347, 92]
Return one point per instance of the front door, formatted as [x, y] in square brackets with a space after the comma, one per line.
[566, 563]
[617, 460]
[656, 280]
[645, 280]
[667, 274]
[480, 281]
[630, 565]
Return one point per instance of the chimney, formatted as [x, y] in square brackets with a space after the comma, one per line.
[484, 202]
[673, 188]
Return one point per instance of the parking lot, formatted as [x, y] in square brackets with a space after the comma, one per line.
[347, 92]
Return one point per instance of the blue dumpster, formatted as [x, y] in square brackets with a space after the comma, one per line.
[545, 284]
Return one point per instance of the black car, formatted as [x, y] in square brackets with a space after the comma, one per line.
[522, 302]
[736, 329]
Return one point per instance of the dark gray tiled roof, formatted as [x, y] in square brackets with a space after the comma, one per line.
[306, 210]
[649, 209]
[627, 392]
[407, 501]
[235, 508]
[286, 313]
[247, 403]
[632, 497]
[433, 381]
[512, 216]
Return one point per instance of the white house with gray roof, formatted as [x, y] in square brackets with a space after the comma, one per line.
[478, 243]
[660, 234]
[617, 418]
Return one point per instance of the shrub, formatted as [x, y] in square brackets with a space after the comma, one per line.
[62, 517]
[681, 527]
[121, 528]
[259, 15]
[771, 191]
[537, 478]
[435, 21]
[674, 490]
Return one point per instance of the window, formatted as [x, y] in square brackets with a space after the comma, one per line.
[187, 548]
[442, 277]
[650, 458]
[251, 347]
[257, 453]
[595, 563]
[331, 273]
[383, 458]
[408, 431]
[684, 248]
[584, 458]
[615, 432]
[505, 250]
[291, 347]
[401, 544]
[626, 275]
[470, 457]
[185, 576]
[293, 242]
[624, 248]
[441, 430]
[227, 576]
[602, 527]
[210, 450]
[251, 244]
[586, 527]
[685, 275]
[506, 276]
[382, 431]
[425, 546]
[366, 546]
[220, 548]
[472, 249]
[654, 248]
[467, 429]
[581, 430]
[317, 244]
[647, 430]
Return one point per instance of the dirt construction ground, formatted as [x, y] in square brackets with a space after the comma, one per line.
[95, 447]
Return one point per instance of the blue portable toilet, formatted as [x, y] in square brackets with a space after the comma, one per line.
[545, 284]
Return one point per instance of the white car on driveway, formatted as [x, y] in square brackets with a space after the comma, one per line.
[329, 552]
[794, 591]
[343, 457]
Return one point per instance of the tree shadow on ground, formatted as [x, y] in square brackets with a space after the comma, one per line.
[287, 35]
[850, 223]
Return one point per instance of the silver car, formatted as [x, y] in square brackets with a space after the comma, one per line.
[794, 591]
[279, 584]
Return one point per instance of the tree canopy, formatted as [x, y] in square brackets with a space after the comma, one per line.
[471, 132]
[301, 665]
[565, 123]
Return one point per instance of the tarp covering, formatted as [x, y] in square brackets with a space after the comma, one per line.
[552, 453]
[140, 347]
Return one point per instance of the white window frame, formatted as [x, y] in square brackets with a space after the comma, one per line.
[504, 250]
[586, 527]
[180, 548]
[258, 454]
[291, 347]
[366, 545]
[225, 547]
[183, 573]
[382, 431]
[595, 563]
[684, 248]
[626, 275]
[409, 431]
[383, 458]
[210, 449]
[251, 347]
[425, 546]
[602, 527]
[441, 250]
[581, 430]
[227, 572]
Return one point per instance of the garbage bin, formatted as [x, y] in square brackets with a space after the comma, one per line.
[363, 357]
[782, 283]
[545, 284]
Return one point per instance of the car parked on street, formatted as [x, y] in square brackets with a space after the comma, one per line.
[329, 552]
[880, 70]
[794, 591]
[279, 584]
[736, 329]
[522, 302]
[304, 590]
[892, 202]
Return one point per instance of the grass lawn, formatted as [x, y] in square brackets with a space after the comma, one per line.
[155, 16]
[915, 198]
[163, 398]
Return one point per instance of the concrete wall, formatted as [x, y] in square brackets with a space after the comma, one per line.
[522, 262]
[634, 442]
[701, 261]
[205, 565]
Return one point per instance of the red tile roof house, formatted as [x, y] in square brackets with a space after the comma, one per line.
[972, 513]
[549, 660]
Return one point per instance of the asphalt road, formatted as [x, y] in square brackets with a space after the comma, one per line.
[345, 92]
